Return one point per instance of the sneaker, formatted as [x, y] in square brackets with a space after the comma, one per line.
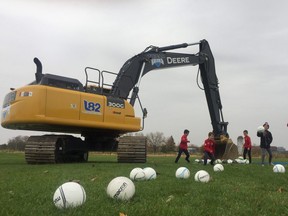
[262, 164]
[271, 164]
[187, 160]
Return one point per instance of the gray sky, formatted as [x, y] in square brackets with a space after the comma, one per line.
[249, 40]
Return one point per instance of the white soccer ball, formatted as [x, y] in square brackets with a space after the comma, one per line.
[246, 161]
[218, 168]
[279, 168]
[197, 160]
[218, 161]
[137, 174]
[182, 173]
[121, 188]
[241, 158]
[240, 161]
[202, 176]
[229, 161]
[196, 176]
[260, 129]
[150, 173]
[69, 195]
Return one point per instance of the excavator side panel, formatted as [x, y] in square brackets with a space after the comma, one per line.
[45, 108]
[62, 104]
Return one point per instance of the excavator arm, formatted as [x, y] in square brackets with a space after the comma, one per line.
[155, 58]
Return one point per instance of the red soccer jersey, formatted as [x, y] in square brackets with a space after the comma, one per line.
[247, 142]
[209, 146]
[184, 141]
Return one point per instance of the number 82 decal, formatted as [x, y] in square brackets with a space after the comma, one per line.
[91, 106]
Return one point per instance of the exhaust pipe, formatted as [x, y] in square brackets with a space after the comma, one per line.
[38, 74]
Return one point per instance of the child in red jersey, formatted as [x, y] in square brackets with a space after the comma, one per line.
[209, 149]
[247, 146]
[183, 147]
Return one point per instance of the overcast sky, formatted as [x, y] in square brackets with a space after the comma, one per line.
[249, 40]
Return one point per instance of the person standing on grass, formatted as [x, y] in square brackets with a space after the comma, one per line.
[247, 146]
[209, 148]
[265, 141]
[183, 147]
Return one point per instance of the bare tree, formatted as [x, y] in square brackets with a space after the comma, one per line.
[155, 140]
[3, 147]
[17, 143]
[169, 145]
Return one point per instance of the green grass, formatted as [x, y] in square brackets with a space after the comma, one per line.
[239, 190]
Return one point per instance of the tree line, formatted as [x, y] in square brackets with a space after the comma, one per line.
[16, 144]
[156, 143]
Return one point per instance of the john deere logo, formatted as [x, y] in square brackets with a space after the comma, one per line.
[157, 62]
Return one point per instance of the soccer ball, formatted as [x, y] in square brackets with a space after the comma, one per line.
[240, 161]
[218, 168]
[218, 161]
[182, 173]
[150, 173]
[202, 176]
[260, 129]
[279, 168]
[137, 174]
[229, 161]
[69, 195]
[246, 161]
[121, 188]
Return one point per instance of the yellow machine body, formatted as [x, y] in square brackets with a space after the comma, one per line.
[46, 108]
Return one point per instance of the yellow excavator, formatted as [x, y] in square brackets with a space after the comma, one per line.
[101, 113]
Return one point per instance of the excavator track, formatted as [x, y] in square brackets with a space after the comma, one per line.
[55, 149]
[41, 149]
[132, 149]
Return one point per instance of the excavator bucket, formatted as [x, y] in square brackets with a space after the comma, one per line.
[225, 149]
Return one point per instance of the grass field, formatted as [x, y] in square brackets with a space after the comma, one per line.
[239, 190]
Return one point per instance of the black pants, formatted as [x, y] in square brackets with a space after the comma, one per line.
[246, 151]
[208, 155]
[180, 153]
[263, 153]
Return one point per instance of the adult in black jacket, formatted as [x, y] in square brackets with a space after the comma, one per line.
[265, 141]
